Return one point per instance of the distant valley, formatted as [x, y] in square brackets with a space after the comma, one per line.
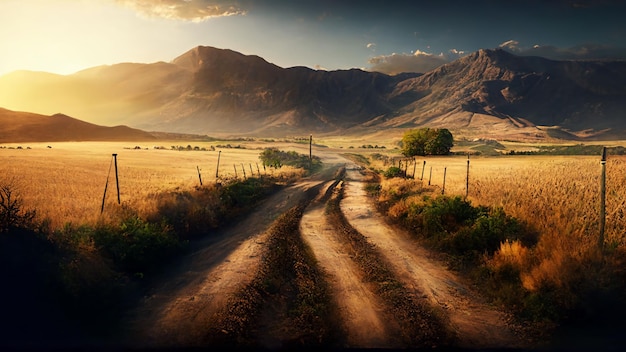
[209, 91]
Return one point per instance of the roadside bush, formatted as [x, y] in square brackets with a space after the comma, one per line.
[394, 171]
[488, 231]
[445, 215]
[273, 157]
[455, 226]
[137, 246]
[197, 212]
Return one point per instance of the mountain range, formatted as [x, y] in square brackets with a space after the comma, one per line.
[488, 93]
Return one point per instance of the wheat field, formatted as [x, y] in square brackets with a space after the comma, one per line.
[66, 183]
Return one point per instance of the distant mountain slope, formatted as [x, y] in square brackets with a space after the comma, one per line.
[526, 91]
[20, 127]
[211, 91]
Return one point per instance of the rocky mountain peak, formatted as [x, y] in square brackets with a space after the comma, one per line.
[206, 58]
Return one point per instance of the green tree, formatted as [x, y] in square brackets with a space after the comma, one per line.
[427, 141]
[414, 142]
[440, 142]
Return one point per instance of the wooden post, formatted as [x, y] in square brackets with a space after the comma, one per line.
[199, 175]
[217, 169]
[467, 178]
[251, 172]
[117, 180]
[235, 168]
[431, 175]
[423, 167]
[258, 171]
[414, 167]
[602, 199]
[443, 188]
[406, 164]
[244, 171]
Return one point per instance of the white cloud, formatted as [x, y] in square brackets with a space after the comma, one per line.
[371, 45]
[418, 61]
[185, 10]
[512, 45]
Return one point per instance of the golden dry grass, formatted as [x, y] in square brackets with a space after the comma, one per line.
[557, 195]
[66, 183]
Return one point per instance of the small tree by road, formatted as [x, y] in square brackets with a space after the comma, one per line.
[427, 141]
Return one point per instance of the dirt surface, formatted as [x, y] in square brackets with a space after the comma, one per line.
[477, 324]
[177, 312]
[360, 309]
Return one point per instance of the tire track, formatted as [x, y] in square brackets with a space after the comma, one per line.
[359, 307]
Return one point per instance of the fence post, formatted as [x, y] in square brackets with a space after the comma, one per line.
[423, 167]
[217, 169]
[244, 171]
[467, 178]
[431, 175]
[117, 181]
[443, 188]
[602, 199]
[235, 168]
[406, 164]
[199, 175]
[414, 167]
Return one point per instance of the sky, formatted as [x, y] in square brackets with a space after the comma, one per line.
[390, 36]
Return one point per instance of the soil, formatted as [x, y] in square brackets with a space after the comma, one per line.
[360, 309]
[177, 311]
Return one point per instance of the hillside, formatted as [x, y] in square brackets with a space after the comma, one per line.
[493, 88]
[20, 127]
[489, 93]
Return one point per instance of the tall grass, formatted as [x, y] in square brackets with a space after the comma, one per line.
[562, 276]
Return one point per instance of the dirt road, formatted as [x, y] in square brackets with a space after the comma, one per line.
[177, 312]
[360, 309]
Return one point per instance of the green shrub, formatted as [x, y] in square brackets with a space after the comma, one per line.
[486, 233]
[453, 225]
[446, 215]
[394, 171]
[136, 246]
[273, 157]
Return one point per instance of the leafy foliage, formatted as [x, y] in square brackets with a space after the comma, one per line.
[456, 227]
[427, 141]
[273, 157]
[135, 245]
[394, 171]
